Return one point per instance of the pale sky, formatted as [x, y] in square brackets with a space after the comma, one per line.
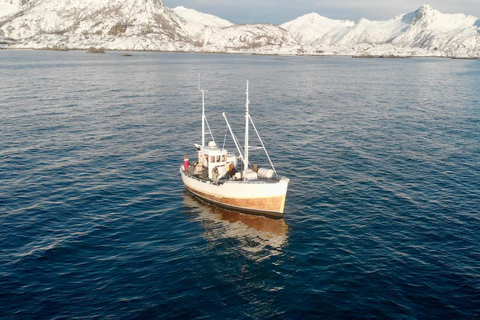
[280, 11]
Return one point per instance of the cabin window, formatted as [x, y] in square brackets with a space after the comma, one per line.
[224, 158]
[212, 159]
[218, 158]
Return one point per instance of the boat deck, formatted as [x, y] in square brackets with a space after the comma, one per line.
[228, 180]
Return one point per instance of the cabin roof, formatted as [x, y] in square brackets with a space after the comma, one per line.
[210, 150]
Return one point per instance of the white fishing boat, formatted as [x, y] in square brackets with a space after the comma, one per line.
[230, 180]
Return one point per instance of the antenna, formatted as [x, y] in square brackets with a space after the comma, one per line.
[247, 116]
[203, 117]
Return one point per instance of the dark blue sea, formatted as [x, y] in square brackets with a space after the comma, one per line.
[382, 218]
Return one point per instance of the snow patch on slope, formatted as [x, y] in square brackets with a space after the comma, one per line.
[253, 38]
[192, 15]
[366, 31]
[10, 7]
[7, 8]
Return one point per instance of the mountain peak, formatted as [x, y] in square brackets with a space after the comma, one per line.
[311, 26]
[426, 8]
[425, 13]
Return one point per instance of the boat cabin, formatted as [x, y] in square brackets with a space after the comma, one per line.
[213, 157]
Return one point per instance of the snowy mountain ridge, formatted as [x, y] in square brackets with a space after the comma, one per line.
[425, 29]
[312, 26]
[149, 25]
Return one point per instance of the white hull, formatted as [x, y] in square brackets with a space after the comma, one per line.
[261, 196]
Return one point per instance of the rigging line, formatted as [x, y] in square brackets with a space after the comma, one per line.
[235, 140]
[238, 142]
[211, 134]
[264, 149]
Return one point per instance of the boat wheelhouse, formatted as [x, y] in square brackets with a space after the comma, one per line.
[227, 180]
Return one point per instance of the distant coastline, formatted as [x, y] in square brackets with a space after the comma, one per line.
[278, 55]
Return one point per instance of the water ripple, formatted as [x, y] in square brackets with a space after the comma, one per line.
[381, 215]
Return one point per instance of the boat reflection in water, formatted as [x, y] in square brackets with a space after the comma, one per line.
[260, 237]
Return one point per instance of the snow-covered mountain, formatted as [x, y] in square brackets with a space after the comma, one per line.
[149, 25]
[451, 34]
[423, 32]
[136, 25]
[312, 26]
[98, 23]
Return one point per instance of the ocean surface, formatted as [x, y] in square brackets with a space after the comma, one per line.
[382, 217]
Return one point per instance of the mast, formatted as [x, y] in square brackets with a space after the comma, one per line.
[247, 117]
[205, 121]
[203, 118]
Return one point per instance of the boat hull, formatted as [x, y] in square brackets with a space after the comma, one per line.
[258, 197]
